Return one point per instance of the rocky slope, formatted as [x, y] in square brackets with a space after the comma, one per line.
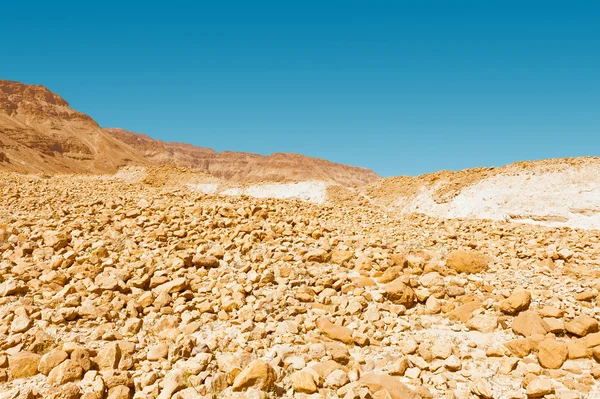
[244, 167]
[557, 192]
[39, 132]
[119, 289]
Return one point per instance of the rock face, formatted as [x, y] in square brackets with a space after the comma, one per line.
[41, 133]
[244, 167]
[552, 192]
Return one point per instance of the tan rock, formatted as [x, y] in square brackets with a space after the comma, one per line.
[582, 326]
[482, 388]
[51, 360]
[528, 323]
[205, 261]
[539, 387]
[400, 293]
[303, 382]
[517, 302]
[519, 347]
[397, 390]
[317, 255]
[483, 323]
[82, 357]
[66, 391]
[108, 357]
[552, 353]
[340, 257]
[67, 371]
[24, 364]
[467, 261]
[333, 331]
[464, 312]
[119, 392]
[258, 374]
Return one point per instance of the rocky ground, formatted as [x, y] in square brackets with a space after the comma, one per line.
[113, 289]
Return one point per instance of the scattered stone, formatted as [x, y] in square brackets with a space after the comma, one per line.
[258, 374]
[467, 261]
[517, 302]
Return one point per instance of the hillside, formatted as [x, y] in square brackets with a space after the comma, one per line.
[243, 167]
[558, 192]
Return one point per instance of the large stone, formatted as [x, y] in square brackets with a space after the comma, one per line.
[528, 323]
[317, 255]
[55, 239]
[66, 391]
[582, 326]
[467, 261]
[464, 312]
[303, 382]
[519, 347]
[205, 261]
[400, 293]
[483, 323]
[51, 360]
[517, 302]
[258, 374]
[24, 364]
[552, 353]
[67, 371]
[333, 331]
[394, 387]
[158, 352]
[108, 357]
[539, 387]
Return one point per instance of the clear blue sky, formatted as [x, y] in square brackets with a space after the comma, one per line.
[396, 86]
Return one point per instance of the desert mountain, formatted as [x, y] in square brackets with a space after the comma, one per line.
[40, 132]
[557, 192]
[244, 167]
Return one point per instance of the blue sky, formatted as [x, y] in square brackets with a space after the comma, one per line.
[400, 87]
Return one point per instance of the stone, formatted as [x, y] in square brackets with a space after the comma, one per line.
[517, 302]
[333, 331]
[303, 382]
[397, 390]
[66, 391]
[519, 347]
[119, 392]
[24, 364]
[337, 379]
[51, 360]
[12, 287]
[482, 388]
[483, 323]
[82, 357]
[528, 323]
[67, 371]
[158, 352]
[539, 387]
[552, 353]
[464, 312]
[467, 261]
[205, 261]
[108, 357]
[258, 374]
[582, 326]
[317, 255]
[400, 293]
[20, 324]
